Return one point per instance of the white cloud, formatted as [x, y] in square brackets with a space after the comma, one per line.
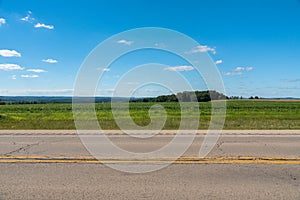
[32, 20]
[238, 71]
[29, 76]
[103, 69]
[2, 21]
[126, 42]
[14, 77]
[202, 49]
[219, 62]
[39, 25]
[8, 67]
[233, 73]
[36, 70]
[9, 53]
[179, 68]
[50, 60]
[28, 17]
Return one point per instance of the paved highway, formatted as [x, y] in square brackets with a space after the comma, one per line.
[55, 165]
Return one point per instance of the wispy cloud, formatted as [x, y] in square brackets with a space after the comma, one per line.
[291, 80]
[289, 88]
[202, 49]
[179, 68]
[9, 67]
[125, 42]
[103, 69]
[36, 70]
[50, 60]
[28, 17]
[29, 76]
[233, 73]
[9, 53]
[38, 92]
[14, 77]
[40, 25]
[219, 62]
[2, 21]
[238, 71]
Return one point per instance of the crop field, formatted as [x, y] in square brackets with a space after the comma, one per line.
[242, 114]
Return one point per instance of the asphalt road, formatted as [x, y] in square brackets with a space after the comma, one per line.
[179, 181]
[32, 177]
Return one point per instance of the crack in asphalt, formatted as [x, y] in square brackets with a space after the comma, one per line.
[220, 143]
[24, 148]
[218, 146]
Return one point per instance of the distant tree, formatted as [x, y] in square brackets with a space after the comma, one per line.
[256, 97]
[214, 95]
[251, 97]
[234, 97]
[2, 102]
[145, 100]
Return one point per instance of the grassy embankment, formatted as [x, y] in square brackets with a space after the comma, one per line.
[240, 115]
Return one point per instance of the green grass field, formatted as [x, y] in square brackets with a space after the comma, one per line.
[240, 115]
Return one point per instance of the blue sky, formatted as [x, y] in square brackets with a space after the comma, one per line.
[255, 43]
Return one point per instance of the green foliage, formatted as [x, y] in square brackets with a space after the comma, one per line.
[241, 114]
[187, 96]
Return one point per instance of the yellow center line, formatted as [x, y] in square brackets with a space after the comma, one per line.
[153, 160]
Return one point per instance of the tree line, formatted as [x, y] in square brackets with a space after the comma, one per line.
[187, 96]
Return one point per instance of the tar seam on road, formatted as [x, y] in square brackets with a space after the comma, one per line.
[153, 160]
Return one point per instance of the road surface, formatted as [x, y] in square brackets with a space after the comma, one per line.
[242, 165]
